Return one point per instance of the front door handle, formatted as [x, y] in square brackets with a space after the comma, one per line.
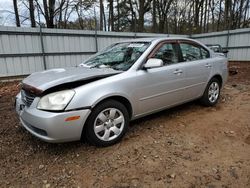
[208, 65]
[177, 71]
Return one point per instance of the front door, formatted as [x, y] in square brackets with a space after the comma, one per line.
[158, 88]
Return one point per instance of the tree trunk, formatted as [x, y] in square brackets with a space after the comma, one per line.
[65, 20]
[208, 18]
[46, 13]
[141, 16]
[240, 13]
[211, 4]
[118, 16]
[154, 29]
[233, 16]
[227, 14]
[205, 17]
[201, 16]
[104, 19]
[16, 13]
[60, 13]
[196, 16]
[190, 19]
[219, 17]
[101, 15]
[111, 12]
[245, 13]
[32, 14]
[133, 15]
[51, 13]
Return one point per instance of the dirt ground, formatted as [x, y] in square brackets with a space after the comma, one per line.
[188, 146]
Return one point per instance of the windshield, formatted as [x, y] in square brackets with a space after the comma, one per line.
[119, 56]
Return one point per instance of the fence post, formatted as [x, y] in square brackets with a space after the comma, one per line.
[41, 39]
[96, 40]
[227, 42]
[42, 47]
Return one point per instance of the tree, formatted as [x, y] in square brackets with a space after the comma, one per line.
[111, 15]
[101, 14]
[32, 14]
[154, 25]
[164, 16]
[124, 19]
[143, 7]
[163, 8]
[16, 13]
[118, 16]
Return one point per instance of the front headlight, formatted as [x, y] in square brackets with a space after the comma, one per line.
[56, 101]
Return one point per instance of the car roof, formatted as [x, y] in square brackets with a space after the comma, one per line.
[212, 44]
[156, 39]
[159, 39]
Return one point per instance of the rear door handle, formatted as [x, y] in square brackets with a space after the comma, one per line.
[177, 71]
[208, 65]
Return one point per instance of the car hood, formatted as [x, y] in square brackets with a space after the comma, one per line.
[54, 77]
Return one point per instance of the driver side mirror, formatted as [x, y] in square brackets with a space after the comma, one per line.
[153, 63]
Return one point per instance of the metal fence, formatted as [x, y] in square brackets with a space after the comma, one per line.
[27, 50]
[236, 41]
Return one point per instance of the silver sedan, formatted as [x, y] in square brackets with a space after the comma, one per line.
[125, 81]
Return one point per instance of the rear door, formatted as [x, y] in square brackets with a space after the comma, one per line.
[198, 68]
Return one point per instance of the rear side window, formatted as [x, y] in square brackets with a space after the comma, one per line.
[192, 52]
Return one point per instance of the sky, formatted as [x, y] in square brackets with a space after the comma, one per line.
[4, 4]
[6, 18]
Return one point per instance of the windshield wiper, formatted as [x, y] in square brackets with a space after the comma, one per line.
[95, 66]
[114, 68]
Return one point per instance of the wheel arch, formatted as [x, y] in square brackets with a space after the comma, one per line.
[120, 99]
[219, 78]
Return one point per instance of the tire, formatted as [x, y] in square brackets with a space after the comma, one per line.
[212, 93]
[107, 124]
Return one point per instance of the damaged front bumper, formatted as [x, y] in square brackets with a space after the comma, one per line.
[51, 126]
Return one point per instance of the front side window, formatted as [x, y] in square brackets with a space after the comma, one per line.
[192, 52]
[167, 54]
[120, 56]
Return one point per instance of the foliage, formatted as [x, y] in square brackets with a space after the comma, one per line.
[161, 16]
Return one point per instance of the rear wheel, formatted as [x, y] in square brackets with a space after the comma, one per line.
[107, 123]
[212, 93]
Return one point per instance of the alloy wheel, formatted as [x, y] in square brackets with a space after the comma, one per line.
[213, 92]
[109, 124]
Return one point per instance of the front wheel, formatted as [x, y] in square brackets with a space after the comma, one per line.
[212, 93]
[107, 123]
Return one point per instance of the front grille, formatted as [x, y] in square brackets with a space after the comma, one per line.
[27, 97]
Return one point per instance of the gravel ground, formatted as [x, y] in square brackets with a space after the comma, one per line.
[187, 146]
